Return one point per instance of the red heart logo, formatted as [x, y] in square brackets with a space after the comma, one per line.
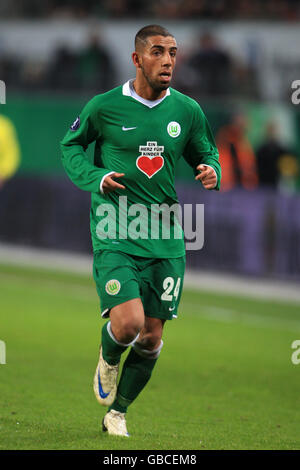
[148, 165]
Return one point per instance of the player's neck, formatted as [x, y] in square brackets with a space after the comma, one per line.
[144, 90]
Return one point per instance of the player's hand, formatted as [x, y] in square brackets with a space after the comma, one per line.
[110, 185]
[207, 176]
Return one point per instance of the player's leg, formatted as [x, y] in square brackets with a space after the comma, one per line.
[161, 288]
[137, 368]
[118, 290]
[126, 321]
[136, 373]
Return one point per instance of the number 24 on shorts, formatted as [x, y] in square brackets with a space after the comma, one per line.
[168, 286]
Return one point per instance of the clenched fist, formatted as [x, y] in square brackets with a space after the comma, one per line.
[207, 176]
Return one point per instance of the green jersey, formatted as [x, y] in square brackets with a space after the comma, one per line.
[144, 140]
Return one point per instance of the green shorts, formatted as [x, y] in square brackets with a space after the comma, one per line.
[157, 282]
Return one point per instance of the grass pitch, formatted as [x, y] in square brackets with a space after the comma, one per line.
[224, 380]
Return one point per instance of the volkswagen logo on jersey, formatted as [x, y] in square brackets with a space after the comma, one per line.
[174, 129]
[75, 124]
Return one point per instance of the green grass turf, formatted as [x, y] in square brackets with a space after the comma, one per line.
[224, 380]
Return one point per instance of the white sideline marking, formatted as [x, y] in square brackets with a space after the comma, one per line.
[2, 352]
[200, 280]
[234, 316]
[74, 263]
[258, 288]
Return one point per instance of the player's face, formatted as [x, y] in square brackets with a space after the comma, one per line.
[157, 61]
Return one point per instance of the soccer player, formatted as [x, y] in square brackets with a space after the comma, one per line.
[140, 130]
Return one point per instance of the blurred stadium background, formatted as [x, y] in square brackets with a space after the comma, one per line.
[238, 59]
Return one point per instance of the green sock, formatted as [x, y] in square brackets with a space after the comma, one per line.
[111, 349]
[135, 375]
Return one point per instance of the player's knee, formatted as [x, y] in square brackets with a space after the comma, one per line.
[147, 350]
[150, 341]
[127, 321]
[129, 334]
[128, 329]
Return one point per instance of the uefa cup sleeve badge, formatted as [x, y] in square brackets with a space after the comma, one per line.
[75, 124]
[150, 161]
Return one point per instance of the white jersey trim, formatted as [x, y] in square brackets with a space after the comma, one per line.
[128, 90]
[102, 181]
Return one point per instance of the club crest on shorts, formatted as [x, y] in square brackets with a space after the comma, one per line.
[113, 287]
[174, 129]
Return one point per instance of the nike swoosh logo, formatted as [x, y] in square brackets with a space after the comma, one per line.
[101, 392]
[128, 128]
[171, 309]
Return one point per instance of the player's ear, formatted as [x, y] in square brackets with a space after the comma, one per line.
[136, 59]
